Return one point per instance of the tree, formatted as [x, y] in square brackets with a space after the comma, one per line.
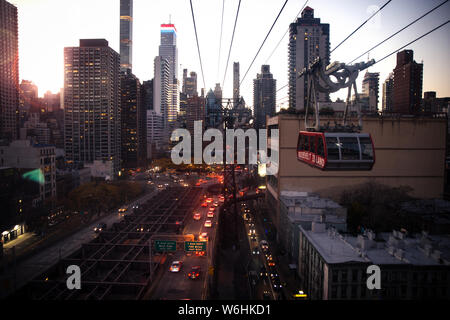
[375, 206]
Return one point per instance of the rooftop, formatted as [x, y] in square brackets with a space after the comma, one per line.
[381, 249]
[306, 200]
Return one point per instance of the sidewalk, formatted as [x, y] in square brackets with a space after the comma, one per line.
[45, 252]
[28, 244]
[21, 241]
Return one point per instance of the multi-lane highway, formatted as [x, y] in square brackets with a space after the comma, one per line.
[177, 285]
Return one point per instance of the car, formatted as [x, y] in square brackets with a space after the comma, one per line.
[123, 210]
[253, 237]
[212, 208]
[175, 266]
[203, 236]
[264, 245]
[271, 263]
[194, 273]
[273, 274]
[263, 272]
[200, 253]
[255, 251]
[215, 204]
[197, 216]
[277, 284]
[266, 295]
[208, 224]
[204, 204]
[210, 214]
[209, 200]
[100, 227]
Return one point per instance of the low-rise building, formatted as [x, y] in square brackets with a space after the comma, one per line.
[18, 198]
[334, 266]
[26, 155]
[302, 209]
[409, 151]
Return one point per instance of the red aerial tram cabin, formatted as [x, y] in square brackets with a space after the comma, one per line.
[336, 150]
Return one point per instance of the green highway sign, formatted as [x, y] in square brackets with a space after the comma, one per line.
[165, 245]
[194, 246]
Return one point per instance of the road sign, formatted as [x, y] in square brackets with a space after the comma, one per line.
[194, 246]
[165, 245]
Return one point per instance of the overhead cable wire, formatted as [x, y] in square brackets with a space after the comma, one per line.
[284, 35]
[231, 43]
[268, 33]
[198, 47]
[354, 31]
[394, 34]
[220, 41]
[411, 42]
[385, 57]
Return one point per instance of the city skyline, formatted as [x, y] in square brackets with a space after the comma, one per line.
[121, 187]
[48, 74]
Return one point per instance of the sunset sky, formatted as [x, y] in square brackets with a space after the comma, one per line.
[47, 26]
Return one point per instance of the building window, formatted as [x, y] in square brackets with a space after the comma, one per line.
[354, 290]
[333, 292]
[344, 276]
[335, 275]
[354, 275]
[343, 292]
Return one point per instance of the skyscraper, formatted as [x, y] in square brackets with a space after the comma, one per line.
[264, 96]
[235, 84]
[218, 94]
[308, 39]
[92, 105]
[147, 94]
[213, 112]
[133, 122]
[195, 111]
[126, 34]
[9, 72]
[28, 94]
[370, 89]
[168, 50]
[133, 111]
[161, 88]
[407, 83]
[388, 89]
[190, 84]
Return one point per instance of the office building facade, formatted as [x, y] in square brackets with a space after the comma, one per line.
[126, 35]
[9, 72]
[370, 90]
[92, 120]
[168, 51]
[161, 89]
[388, 93]
[308, 39]
[408, 76]
[236, 79]
[264, 96]
[190, 84]
[133, 119]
